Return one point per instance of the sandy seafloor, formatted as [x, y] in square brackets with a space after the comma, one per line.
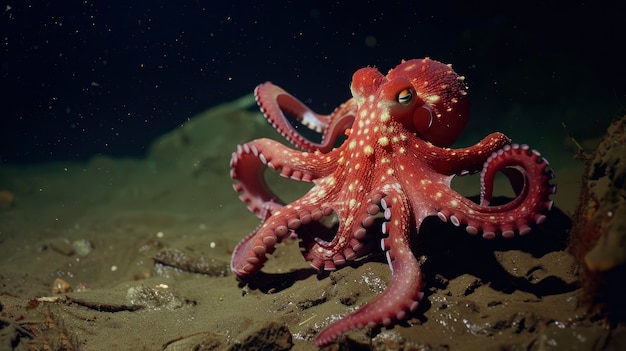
[99, 225]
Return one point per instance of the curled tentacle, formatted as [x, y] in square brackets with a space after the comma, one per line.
[530, 179]
[248, 165]
[275, 104]
[251, 252]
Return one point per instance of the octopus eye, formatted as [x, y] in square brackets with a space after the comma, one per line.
[405, 96]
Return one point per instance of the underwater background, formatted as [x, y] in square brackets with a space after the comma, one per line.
[83, 78]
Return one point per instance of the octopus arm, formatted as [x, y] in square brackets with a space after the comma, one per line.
[300, 216]
[251, 252]
[467, 160]
[530, 179]
[403, 294]
[276, 104]
[248, 165]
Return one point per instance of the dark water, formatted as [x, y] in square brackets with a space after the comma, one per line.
[81, 78]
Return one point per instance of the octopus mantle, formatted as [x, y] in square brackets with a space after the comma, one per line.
[393, 170]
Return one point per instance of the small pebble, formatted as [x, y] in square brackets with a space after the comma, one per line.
[62, 246]
[7, 200]
[82, 247]
[60, 286]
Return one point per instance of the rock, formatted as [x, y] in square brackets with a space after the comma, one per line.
[62, 246]
[155, 298]
[599, 233]
[190, 262]
[202, 341]
[270, 337]
[7, 200]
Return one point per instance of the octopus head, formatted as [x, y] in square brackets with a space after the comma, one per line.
[427, 97]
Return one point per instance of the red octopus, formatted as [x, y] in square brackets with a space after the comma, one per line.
[395, 160]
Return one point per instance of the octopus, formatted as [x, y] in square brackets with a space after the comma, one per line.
[382, 165]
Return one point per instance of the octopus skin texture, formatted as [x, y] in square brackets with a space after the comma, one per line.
[394, 168]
